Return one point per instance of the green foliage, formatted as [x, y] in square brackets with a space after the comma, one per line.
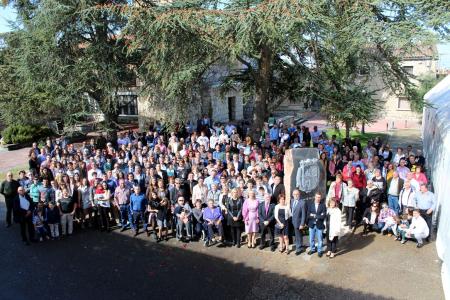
[17, 134]
[425, 83]
[68, 60]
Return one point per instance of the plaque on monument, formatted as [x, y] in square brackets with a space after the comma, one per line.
[304, 171]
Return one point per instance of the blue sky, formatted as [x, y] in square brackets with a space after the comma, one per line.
[8, 14]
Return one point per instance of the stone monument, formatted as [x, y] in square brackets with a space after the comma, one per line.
[303, 170]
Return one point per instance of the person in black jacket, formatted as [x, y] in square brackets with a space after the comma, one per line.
[234, 215]
[277, 188]
[266, 222]
[8, 189]
[370, 218]
[316, 214]
[22, 208]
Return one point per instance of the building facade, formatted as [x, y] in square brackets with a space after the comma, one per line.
[233, 106]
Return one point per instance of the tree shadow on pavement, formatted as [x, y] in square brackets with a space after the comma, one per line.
[94, 265]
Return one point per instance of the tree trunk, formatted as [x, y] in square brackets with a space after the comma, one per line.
[347, 129]
[262, 84]
[363, 128]
[110, 125]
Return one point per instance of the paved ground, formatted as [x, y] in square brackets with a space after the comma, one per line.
[93, 265]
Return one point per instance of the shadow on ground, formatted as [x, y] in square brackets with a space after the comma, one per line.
[94, 265]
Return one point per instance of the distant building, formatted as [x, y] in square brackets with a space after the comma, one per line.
[232, 106]
[421, 62]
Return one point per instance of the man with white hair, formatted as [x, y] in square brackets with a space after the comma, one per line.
[394, 186]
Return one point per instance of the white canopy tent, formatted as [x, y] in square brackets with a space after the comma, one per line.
[436, 145]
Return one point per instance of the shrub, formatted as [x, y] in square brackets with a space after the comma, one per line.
[17, 134]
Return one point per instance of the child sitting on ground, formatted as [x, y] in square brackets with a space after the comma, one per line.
[403, 228]
[391, 223]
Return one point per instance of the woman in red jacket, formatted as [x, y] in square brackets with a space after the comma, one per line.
[359, 179]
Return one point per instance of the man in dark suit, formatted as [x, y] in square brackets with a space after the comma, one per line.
[316, 213]
[188, 187]
[8, 189]
[277, 189]
[23, 208]
[298, 209]
[266, 222]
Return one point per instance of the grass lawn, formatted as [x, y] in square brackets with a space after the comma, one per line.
[363, 138]
[14, 170]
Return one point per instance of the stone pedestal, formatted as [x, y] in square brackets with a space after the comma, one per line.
[303, 170]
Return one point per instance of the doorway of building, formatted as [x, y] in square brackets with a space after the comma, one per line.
[231, 108]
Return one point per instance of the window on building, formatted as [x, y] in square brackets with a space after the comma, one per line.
[409, 69]
[403, 104]
[127, 104]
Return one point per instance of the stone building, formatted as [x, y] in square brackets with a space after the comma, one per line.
[232, 106]
[423, 61]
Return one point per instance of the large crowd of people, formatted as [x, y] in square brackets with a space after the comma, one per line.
[213, 183]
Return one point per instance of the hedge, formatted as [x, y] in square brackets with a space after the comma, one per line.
[18, 134]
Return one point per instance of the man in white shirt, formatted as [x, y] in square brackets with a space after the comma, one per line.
[213, 140]
[200, 191]
[203, 140]
[23, 207]
[418, 229]
[406, 197]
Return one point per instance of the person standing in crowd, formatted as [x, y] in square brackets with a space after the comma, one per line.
[350, 198]
[298, 212]
[316, 214]
[234, 214]
[197, 213]
[67, 208]
[336, 190]
[23, 207]
[102, 197]
[161, 220]
[122, 202]
[282, 213]
[334, 223]
[8, 189]
[407, 198]
[394, 187]
[425, 202]
[200, 191]
[53, 217]
[266, 217]
[250, 215]
[138, 205]
[277, 188]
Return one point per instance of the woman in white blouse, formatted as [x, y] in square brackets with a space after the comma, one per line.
[333, 227]
[349, 199]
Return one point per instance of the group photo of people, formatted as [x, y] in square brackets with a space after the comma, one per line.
[214, 184]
